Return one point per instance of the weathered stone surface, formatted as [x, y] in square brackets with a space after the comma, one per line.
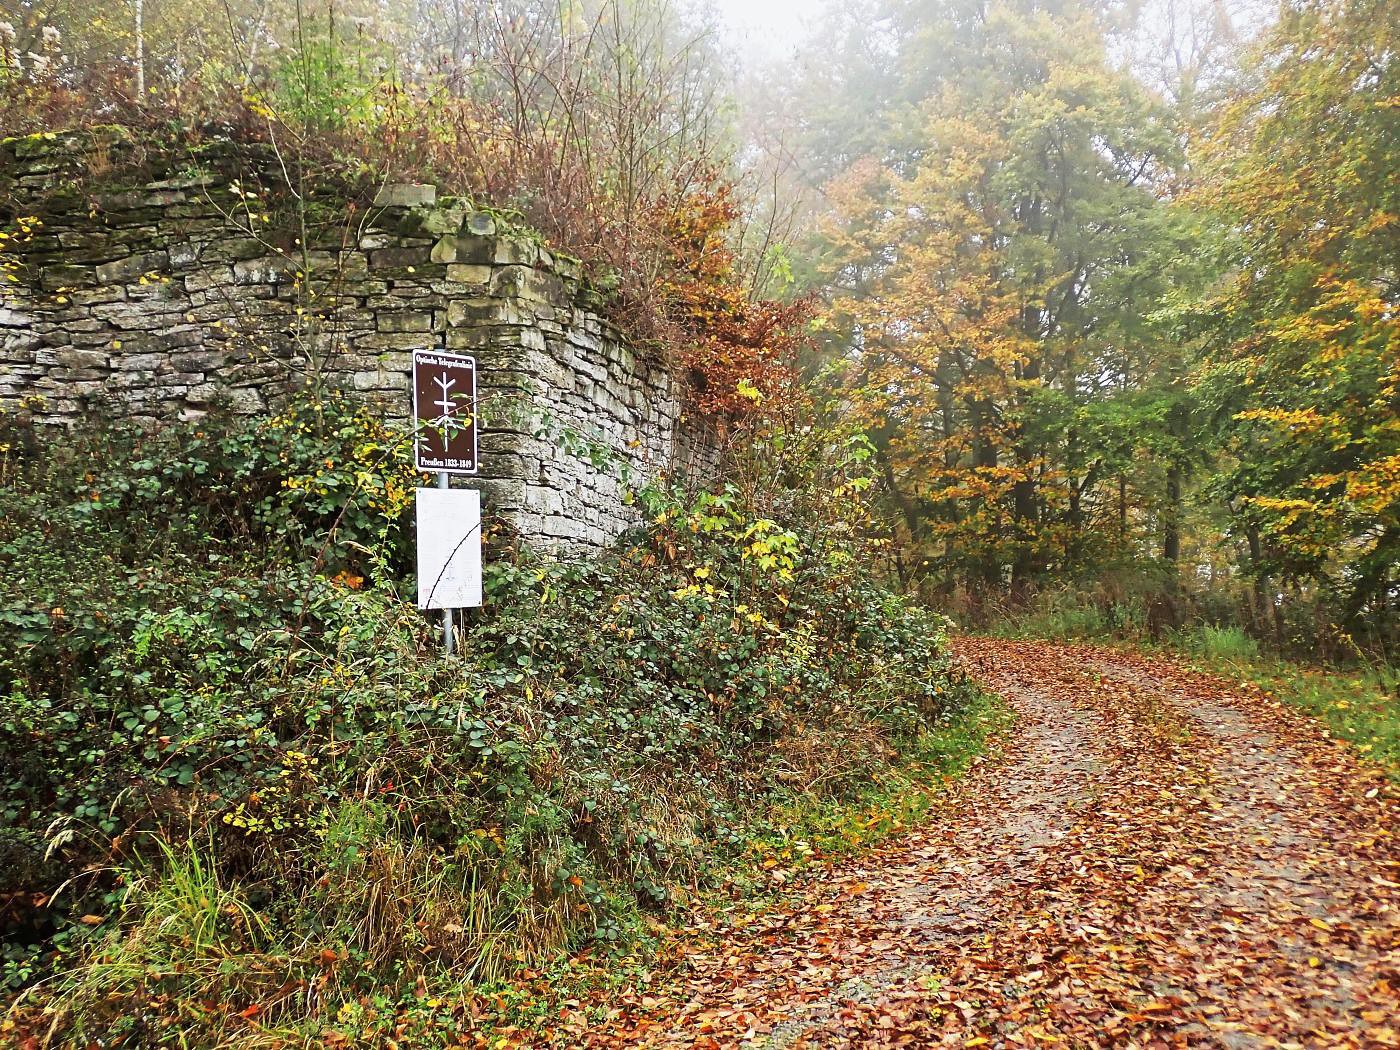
[405, 321]
[73, 358]
[469, 274]
[444, 251]
[405, 195]
[233, 249]
[515, 250]
[230, 321]
[124, 270]
[474, 250]
[267, 269]
[445, 218]
[398, 258]
[481, 224]
[59, 276]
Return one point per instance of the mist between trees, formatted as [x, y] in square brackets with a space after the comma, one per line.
[1112, 287]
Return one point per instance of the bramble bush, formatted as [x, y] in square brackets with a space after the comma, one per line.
[246, 793]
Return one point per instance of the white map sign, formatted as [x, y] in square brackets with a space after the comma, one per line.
[449, 548]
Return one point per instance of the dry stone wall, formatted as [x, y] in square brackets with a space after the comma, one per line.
[169, 287]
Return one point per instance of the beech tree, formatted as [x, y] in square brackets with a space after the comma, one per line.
[1304, 370]
[993, 283]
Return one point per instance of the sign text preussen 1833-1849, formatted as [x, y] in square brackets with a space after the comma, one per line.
[444, 412]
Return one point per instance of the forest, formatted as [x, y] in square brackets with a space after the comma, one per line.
[1110, 286]
[1050, 356]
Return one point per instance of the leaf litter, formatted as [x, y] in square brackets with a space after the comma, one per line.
[1154, 858]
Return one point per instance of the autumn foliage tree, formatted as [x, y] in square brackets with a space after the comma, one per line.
[1305, 374]
[1106, 315]
[991, 282]
[738, 350]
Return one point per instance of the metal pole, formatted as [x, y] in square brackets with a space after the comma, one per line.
[448, 637]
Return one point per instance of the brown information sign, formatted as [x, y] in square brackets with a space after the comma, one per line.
[444, 412]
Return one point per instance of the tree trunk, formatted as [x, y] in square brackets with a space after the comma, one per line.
[1025, 499]
[1024, 508]
[1268, 615]
[1372, 585]
[984, 454]
[1122, 509]
[1171, 525]
[140, 51]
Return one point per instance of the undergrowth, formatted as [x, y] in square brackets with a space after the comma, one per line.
[765, 866]
[248, 803]
[1143, 601]
[805, 828]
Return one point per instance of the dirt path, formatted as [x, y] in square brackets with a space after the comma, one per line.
[1154, 860]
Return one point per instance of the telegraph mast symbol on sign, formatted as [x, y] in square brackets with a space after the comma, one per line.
[444, 412]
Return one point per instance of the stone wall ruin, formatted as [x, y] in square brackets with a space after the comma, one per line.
[167, 287]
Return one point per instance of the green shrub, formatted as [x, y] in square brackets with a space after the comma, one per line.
[138, 604]
[1217, 643]
[1106, 609]
[208, 645]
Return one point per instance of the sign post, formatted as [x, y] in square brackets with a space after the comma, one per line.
[448, 634]
[449, 522]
